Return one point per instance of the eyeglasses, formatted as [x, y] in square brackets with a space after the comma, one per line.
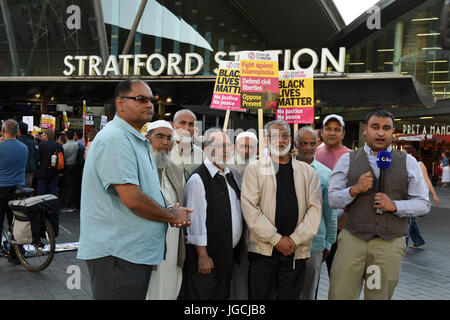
[275, 136]
[225, 145]
[142, 99]
[162, 137]
[307, 143]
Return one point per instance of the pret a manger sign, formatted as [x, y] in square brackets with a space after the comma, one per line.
[156, 64]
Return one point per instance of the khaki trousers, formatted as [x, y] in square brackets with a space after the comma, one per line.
[376, 262]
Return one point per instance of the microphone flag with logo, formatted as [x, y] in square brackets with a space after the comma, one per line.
[384, 159]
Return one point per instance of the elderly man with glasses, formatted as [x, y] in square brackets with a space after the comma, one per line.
[281, 203]
[215, 238]
[166, 280]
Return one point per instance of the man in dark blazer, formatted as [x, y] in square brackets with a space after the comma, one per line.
[46, 175]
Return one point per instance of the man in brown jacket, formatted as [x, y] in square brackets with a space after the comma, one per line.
[282, 205]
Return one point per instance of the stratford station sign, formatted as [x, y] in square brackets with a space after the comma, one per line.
[156, 64]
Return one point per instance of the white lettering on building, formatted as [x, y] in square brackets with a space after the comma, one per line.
[135, 64]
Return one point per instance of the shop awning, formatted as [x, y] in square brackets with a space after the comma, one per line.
[344, 90]
[373, 89]
[423, 137]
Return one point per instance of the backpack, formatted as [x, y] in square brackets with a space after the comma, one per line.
[59, 163]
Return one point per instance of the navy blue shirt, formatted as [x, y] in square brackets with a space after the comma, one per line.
[13, 160]
[31, 145]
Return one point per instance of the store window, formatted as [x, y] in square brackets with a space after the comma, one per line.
[409, 45]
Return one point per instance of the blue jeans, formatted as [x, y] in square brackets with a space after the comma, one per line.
[414, 233]
[45, 186]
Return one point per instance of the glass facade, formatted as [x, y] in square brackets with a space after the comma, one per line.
[408, 45]
[38, 35]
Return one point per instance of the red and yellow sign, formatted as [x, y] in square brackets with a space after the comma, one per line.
[48, 122]
[259, 79]
[296, 101]
[227, 95]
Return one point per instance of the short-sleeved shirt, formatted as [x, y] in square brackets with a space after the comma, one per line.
[119, 155]
[329, 158]
[13, 160]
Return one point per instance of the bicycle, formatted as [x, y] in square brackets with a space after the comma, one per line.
[34, 256]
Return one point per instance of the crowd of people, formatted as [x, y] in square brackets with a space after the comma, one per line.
[171, 214]
[164, 217]
[47, 163]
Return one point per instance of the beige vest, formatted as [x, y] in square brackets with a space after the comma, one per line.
[362, 220]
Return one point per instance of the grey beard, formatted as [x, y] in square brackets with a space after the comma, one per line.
[279, 153]
[162, 159]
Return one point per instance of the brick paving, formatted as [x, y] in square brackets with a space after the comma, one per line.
[425, 273]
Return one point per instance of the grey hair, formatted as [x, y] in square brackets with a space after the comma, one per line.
[207, 135]
[302, 130]
[276, 122]
[11, 126]
[180, 112]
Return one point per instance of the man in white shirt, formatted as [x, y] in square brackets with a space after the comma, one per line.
[214, 239]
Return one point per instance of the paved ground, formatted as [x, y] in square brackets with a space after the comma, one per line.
[425, 272]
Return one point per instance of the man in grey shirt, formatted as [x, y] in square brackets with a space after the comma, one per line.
[70, 161]
[372, 245]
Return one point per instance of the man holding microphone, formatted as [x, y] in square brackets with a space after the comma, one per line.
[372, 245]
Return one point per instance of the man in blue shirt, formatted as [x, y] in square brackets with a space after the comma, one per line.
[123, 219]
[13, 160]
[305, 142]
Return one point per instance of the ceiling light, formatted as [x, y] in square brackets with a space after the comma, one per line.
[385, 50]
[438, 82]
[432, 48]
[167, 114]
[436, 61]
[169, 100]
[426, 118]
[389, 62]
[424, 19]
[37, 95]
[428, 34]
[356, 63]
[194, 11]
[398, 119]
[439, 71]
[317, 117]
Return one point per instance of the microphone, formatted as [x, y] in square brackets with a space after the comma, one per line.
[384, 160]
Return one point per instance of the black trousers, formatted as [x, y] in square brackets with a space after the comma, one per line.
[213, 286]
[330, 257]
[113, 278]
[275, 278]
[6, 194]
[69, 186]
